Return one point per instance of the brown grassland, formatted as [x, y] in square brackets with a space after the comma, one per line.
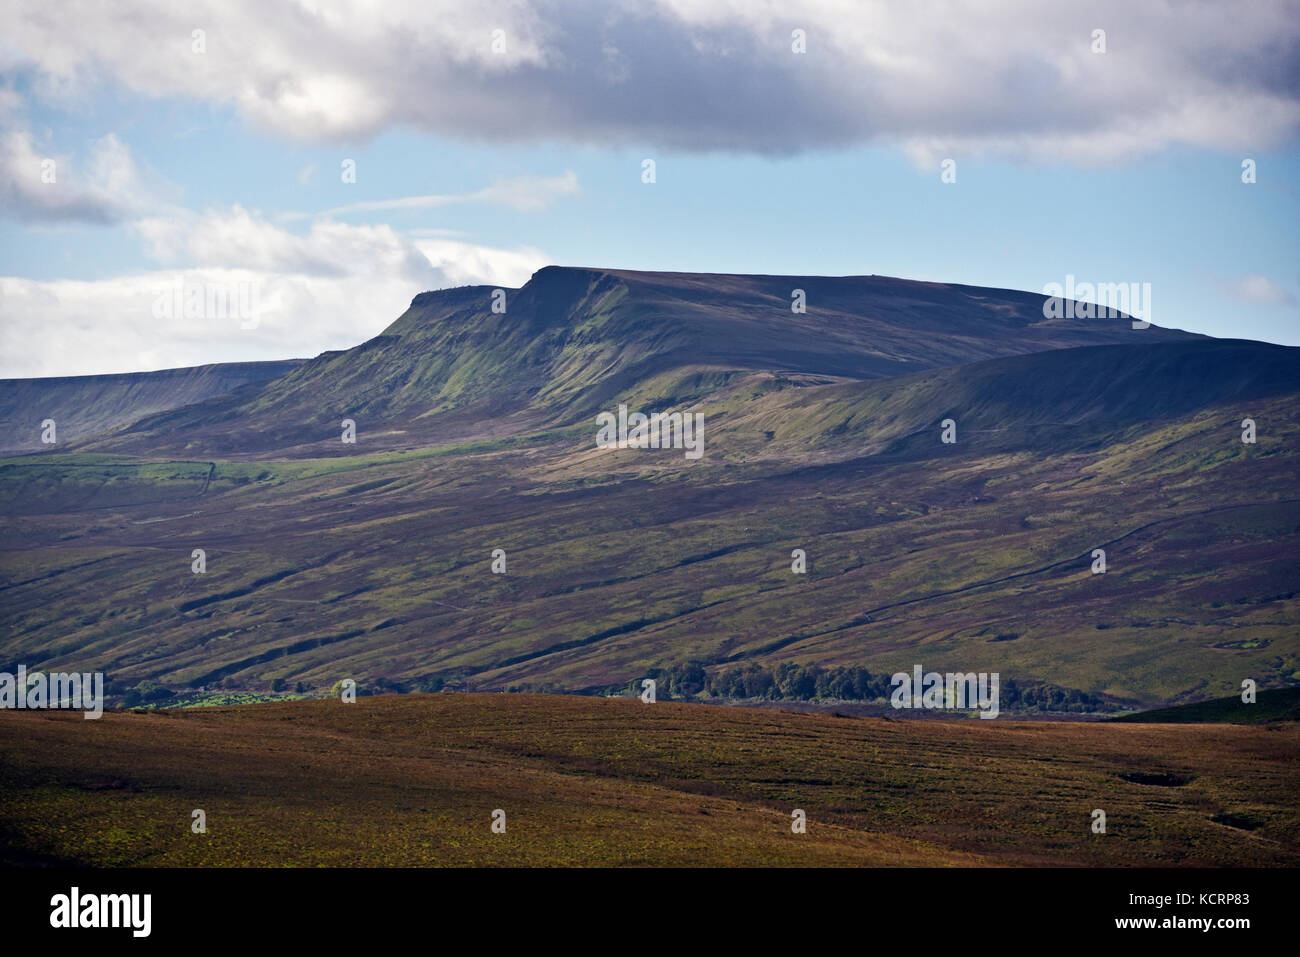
[400, 780]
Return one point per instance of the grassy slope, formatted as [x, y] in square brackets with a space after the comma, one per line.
[377, 565]
[407, 780]
[372, 560]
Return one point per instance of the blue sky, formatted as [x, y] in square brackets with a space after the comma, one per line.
[168, 176]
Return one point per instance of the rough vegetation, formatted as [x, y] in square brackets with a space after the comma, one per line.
[414, 779]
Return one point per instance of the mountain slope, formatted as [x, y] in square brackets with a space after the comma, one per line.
[1047, 401]
[975, 556]
[572, 341]
[83, 406]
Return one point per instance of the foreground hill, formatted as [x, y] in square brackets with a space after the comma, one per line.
[87, 405]
[414, 780]
[1281, 704]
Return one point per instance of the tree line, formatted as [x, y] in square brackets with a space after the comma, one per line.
[788, 681]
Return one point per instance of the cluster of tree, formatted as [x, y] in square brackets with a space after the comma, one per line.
[794, 682]
[784, 682]
[147, 691]
[693, 680]
[282, 684]
[1049, 697]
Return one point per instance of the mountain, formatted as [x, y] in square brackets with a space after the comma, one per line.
[87, 405]
[571, 341]
[823, 433]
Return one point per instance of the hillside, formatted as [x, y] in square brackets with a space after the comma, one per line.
[1049, 401]
[84, 406]
[976, 556]
[1282, 704]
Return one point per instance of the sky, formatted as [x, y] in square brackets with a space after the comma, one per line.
[317, 164]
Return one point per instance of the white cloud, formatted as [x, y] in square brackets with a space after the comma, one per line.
[241, 239]
[936, 78]
[1259, 290]
[41, 185]
[69, 327]
[465, 264]
[330, 289]
[523, 194]
[11, 105]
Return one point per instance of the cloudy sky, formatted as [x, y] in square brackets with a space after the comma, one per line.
[336, 158]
